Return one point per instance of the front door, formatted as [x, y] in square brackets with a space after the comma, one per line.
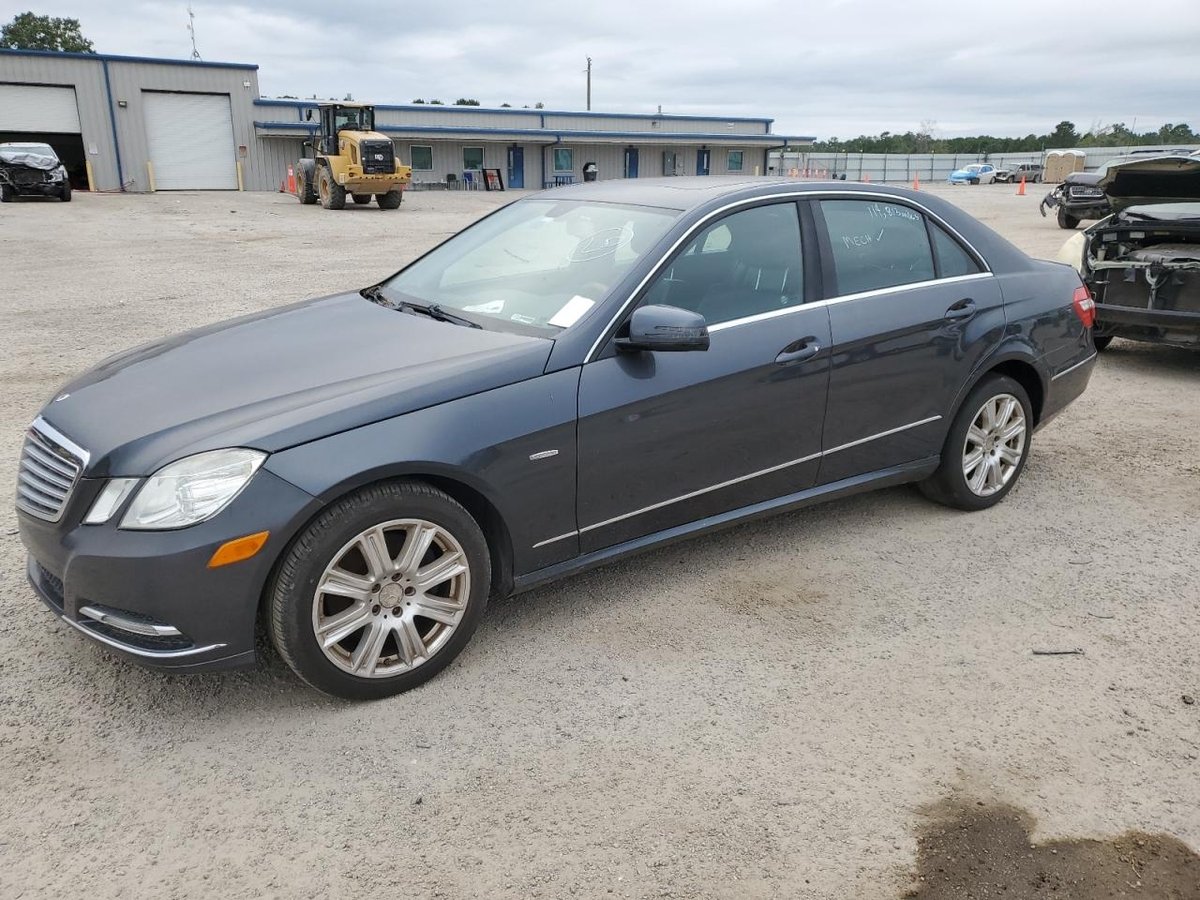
[921, 315]
[702, 161]
[669, 438]
[516, 167]
[631, 162]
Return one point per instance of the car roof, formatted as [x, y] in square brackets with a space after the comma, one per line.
[682, 192]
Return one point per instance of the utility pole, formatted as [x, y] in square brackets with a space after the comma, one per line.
[192, 31]
[589, 84]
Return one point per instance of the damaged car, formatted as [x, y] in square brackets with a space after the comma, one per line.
[1142, 263]
[1080, 196]
[32, 170]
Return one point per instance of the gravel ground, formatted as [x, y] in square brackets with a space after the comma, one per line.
[760, 713]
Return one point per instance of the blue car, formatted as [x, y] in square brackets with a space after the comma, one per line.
[976, 173]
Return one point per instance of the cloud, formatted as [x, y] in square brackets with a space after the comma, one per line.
[825, 67]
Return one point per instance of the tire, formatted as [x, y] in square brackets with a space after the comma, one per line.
[6, 194]
[950, 484]
[1102, 341]
[1037, 179]
[361, 199]
[65, 194]
[390, 200]
[973, 180]
[332, 194]
[413, 648]
[1066, 221]
[306, 187]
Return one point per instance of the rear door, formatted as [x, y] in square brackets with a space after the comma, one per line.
[912, 312]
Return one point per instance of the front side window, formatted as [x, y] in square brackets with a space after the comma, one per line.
[472, 158]
[745, 264]
[536, 266]
[876, 245]
[736, 160]
[564, 159]
[422, 159]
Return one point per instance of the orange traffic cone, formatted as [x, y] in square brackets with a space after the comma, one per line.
[916, 182]
[291, 180]
[1021, 189]
[283, 185]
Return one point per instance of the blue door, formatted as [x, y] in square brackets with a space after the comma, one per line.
[631, 162]
[516, 167]
[702, 157]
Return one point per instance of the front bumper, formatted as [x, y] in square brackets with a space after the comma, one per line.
[1178, 328]
[149, 595]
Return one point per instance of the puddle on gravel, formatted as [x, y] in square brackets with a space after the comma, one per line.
[985, 851]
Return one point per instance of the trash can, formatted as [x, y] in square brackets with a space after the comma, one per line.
[590, 171]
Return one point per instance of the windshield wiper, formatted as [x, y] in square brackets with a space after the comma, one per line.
[435, 311]
[438, 312]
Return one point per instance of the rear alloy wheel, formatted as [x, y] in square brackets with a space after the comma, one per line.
[986, 449]
[361, 199]
[381, 592]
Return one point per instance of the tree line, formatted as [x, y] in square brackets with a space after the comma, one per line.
[1064, 135]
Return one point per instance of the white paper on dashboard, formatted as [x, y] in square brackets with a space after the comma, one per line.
[572, 312]
[492, 306]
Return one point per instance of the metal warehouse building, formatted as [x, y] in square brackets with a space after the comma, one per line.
[139, 124]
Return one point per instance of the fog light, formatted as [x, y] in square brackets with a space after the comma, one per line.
[238, 549]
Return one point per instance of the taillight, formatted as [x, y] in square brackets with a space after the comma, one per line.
[1085, 306]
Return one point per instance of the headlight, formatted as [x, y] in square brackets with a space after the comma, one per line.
[192, 489]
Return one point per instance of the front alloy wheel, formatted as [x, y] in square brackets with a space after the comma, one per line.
[381, 591]
[391, 598]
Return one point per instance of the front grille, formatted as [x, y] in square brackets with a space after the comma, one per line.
[47, 473]
[1084, 193]
[30, 176]
[378, 157]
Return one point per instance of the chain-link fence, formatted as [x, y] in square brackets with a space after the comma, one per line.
[904, 167]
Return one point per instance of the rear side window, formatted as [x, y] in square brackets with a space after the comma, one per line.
[876, 245]
[952, 259]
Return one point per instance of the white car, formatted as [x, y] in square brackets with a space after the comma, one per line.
[976, 173]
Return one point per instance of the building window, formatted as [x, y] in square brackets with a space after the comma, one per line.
[564, 159]
[422, 159]
[472, 158]
[736, 160]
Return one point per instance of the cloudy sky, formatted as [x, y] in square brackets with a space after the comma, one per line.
[819, 67]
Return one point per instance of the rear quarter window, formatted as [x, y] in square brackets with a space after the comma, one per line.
[952, 259]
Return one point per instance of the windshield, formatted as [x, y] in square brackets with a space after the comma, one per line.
[537, 263]
[354, 119]
[973, 168]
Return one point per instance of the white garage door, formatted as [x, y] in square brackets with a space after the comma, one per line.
[27, 107]
[190, 137]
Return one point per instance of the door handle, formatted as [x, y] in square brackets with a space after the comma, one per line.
[798, 351]
[963, 309]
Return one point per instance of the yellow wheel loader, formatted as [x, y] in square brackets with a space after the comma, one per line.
[349, 157]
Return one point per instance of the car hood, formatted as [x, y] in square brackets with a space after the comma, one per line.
[279, 378]
[24, 156]
[1155, 179]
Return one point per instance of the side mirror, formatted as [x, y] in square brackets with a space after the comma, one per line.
[308, 115]
[666, 328]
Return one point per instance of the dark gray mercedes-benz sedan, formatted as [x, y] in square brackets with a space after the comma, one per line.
[585, 373]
